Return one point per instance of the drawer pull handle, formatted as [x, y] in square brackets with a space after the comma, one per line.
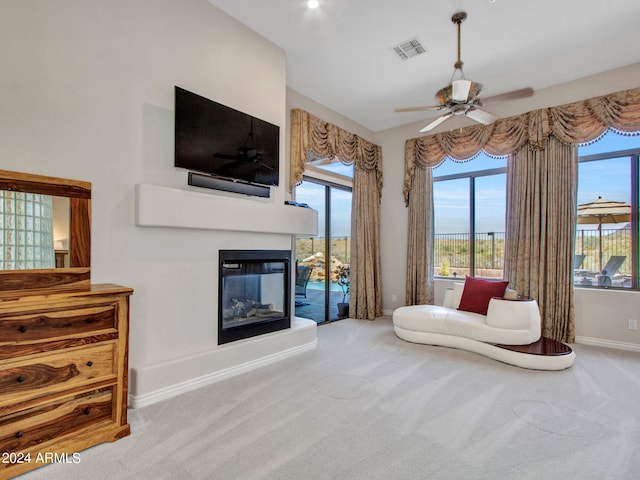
[87, 411]
[20, 379]
[22, 329]
[19, 434]
[89, 363]
[90, 320]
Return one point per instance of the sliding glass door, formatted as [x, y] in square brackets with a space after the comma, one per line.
[322, 262]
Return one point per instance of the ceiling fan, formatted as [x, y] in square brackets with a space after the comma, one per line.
[462, 96]
[248, 153]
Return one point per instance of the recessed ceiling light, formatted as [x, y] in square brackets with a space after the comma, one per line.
[313, 4]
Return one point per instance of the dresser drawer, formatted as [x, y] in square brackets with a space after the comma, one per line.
[46, 325]
[39, 375]
[45, 331]
[34, 426]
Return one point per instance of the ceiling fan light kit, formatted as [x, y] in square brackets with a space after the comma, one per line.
[460, 90]
[462, 96]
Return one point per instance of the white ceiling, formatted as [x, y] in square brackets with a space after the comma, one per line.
[340, 53]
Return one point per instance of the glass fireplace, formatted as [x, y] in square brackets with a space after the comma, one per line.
[253, 296]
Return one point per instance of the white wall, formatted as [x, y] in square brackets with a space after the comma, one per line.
[87, 91]
[61, 207]
[601, 316]
[297, 100]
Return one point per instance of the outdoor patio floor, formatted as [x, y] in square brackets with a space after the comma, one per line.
[313, 306]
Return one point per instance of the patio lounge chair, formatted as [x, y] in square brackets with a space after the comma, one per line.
[577, 261]
[302, 278]
[610, 269]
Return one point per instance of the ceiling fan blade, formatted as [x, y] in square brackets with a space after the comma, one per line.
[481, 116]
[513, 95]
[419, 109]
[436, 122]
[460, 90]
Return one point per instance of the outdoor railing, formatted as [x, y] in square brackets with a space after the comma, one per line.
[309, 246]
[451, 252]
[614, 242]
[310, 251]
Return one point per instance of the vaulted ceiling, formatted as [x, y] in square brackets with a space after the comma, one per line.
[340, 54]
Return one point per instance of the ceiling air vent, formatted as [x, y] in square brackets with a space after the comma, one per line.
[409, 48]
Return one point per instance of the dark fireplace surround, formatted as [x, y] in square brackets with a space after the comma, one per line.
[253, 293]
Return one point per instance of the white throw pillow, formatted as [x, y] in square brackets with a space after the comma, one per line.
[458, 288]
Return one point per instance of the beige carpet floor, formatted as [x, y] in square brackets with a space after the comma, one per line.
[367, 405]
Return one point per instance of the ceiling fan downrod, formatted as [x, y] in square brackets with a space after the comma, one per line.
[458, 18]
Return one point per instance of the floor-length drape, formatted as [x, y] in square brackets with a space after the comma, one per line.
[541, 218]
[366, 286]
[528, 135]
[311, 134]
[419, 284]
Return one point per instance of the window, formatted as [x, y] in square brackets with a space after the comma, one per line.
[470, 206]
[469, 217]
[327, 188]
[607, 224]
[332, 167]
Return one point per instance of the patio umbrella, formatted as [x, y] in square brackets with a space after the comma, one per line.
[603, 211]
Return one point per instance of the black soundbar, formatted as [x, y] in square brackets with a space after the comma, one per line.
[205, 181]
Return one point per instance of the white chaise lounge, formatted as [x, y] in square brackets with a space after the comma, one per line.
[509, 321]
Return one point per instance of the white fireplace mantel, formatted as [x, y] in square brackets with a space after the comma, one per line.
[169, 207]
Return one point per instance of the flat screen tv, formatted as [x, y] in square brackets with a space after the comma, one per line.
[223, 142]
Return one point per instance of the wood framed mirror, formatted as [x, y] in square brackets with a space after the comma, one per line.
[77, 268]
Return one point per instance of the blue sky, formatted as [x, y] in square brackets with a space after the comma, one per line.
[609, 179]
[313, 195]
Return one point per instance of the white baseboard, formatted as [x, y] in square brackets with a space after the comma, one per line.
[196, 383]
[598, 342]
[156, 382]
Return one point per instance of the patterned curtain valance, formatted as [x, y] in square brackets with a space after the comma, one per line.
[323, 139]
[571, 124]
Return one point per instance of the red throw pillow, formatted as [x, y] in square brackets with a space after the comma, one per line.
[477, 293]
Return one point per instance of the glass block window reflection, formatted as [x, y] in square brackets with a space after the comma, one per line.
[26, 231]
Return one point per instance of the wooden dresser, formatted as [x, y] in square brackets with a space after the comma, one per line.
[63, 373]
[63, 341]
